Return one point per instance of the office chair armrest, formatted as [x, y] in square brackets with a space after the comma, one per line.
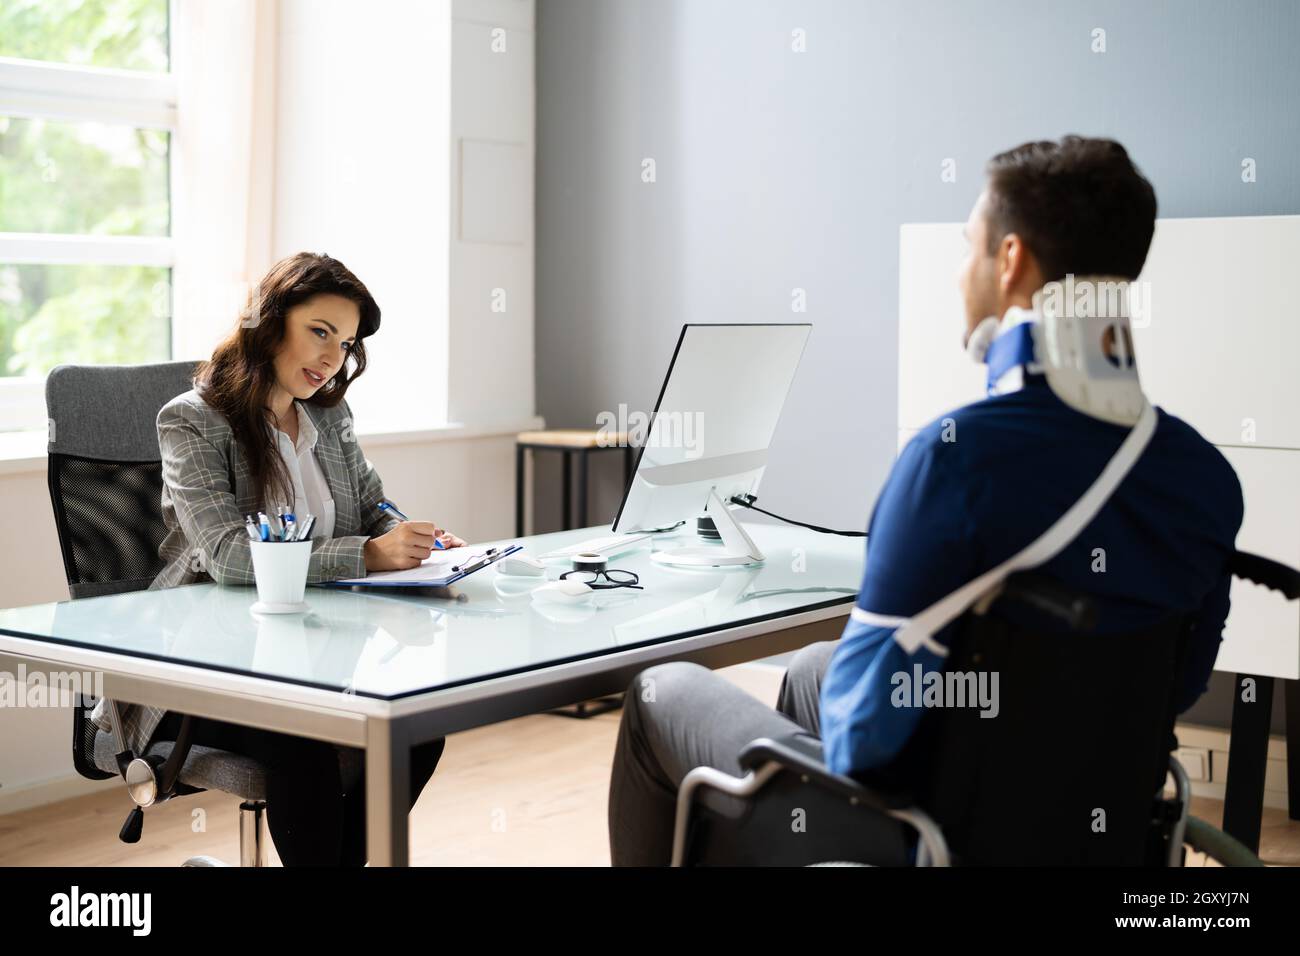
[802, 754]
[167, 774]
[170, 772]
[124, 754]
[1266, 571]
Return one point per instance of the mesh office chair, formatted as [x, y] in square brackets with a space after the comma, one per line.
[1064, 775]
[105, 479]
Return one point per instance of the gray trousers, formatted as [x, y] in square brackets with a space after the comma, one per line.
[680, 716]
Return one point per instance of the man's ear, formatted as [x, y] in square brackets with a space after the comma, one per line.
[1011, 262]
[1019, 275]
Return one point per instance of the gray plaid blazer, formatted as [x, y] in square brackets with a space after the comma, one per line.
[207, 490]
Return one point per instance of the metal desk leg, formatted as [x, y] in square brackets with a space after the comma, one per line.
[519, 490]
[1243, 798]
[1292, 703]
[567, 511]
[388, 790]
[582, 488]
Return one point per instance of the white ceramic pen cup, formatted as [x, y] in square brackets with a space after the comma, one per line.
[280, 569]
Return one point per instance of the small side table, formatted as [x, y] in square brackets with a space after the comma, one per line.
[570, 443]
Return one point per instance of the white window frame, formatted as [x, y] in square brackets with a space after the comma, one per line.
[35, 89]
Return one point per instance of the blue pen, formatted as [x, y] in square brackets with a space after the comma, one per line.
[389, 506]
[263, 526]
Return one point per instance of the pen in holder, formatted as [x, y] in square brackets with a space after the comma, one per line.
[280, 569]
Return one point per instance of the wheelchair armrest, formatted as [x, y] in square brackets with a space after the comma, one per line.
[802, 754]
[1266, 571]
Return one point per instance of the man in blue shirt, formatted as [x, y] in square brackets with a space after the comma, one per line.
[969, 491]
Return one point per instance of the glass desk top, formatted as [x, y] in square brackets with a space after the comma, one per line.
[393, 643]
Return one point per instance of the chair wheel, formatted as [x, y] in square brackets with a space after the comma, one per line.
[132, 828]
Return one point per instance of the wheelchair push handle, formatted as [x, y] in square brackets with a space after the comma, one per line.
[1272, 574]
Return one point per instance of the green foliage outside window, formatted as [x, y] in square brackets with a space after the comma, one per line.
[83, 178]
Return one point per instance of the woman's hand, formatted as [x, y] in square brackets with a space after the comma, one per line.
[403, 546]
[406, 545]
[449, 540]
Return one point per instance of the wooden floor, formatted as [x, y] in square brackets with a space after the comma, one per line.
[530, 792]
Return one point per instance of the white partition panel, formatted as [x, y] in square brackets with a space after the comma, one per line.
[1263, 632]
[1221, 347]
[934, 373]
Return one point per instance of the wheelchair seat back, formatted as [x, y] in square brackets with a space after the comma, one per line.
[1067, 771]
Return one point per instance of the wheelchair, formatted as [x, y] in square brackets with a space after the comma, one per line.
[1072, 771]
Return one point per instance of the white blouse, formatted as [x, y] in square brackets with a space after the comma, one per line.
[311, 492]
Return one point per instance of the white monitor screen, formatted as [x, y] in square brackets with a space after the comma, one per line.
[714, 420]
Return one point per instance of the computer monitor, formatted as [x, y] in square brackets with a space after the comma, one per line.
[709, 436]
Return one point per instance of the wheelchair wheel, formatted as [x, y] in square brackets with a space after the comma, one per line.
[1217, 845]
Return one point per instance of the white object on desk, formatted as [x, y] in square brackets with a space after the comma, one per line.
[736, 378]
[563, 592]
[609, 545]
[280, 570]
[521, 565]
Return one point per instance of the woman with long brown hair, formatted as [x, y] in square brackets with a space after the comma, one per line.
[267, 425]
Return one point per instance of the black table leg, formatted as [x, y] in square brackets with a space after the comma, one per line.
[589, 708]
[567, 510]
[1243, 798]
[582, 488]
[1292, 703]
[519, 491]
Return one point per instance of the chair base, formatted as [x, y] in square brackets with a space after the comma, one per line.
[252, 842]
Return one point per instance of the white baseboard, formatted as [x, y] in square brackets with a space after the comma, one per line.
[41, 792]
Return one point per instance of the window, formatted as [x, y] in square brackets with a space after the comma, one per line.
[87, 114]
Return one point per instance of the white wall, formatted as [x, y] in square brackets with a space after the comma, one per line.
[361, 172]
[779, 169]
[369, 124]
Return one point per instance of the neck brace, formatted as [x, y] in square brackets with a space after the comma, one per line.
[1088, 363]
[1087, 358]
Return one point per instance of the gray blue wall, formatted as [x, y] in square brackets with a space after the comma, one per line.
[778, 170]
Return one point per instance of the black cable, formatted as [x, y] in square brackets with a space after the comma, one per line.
[747, 501]
[665, 529]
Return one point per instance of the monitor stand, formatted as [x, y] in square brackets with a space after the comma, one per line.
[737, 549]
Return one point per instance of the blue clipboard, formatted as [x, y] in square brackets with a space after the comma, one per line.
[489, 557]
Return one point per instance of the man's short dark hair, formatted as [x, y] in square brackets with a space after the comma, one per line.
[1080, 205]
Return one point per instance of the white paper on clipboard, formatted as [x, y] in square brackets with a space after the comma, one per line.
[434, 569]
